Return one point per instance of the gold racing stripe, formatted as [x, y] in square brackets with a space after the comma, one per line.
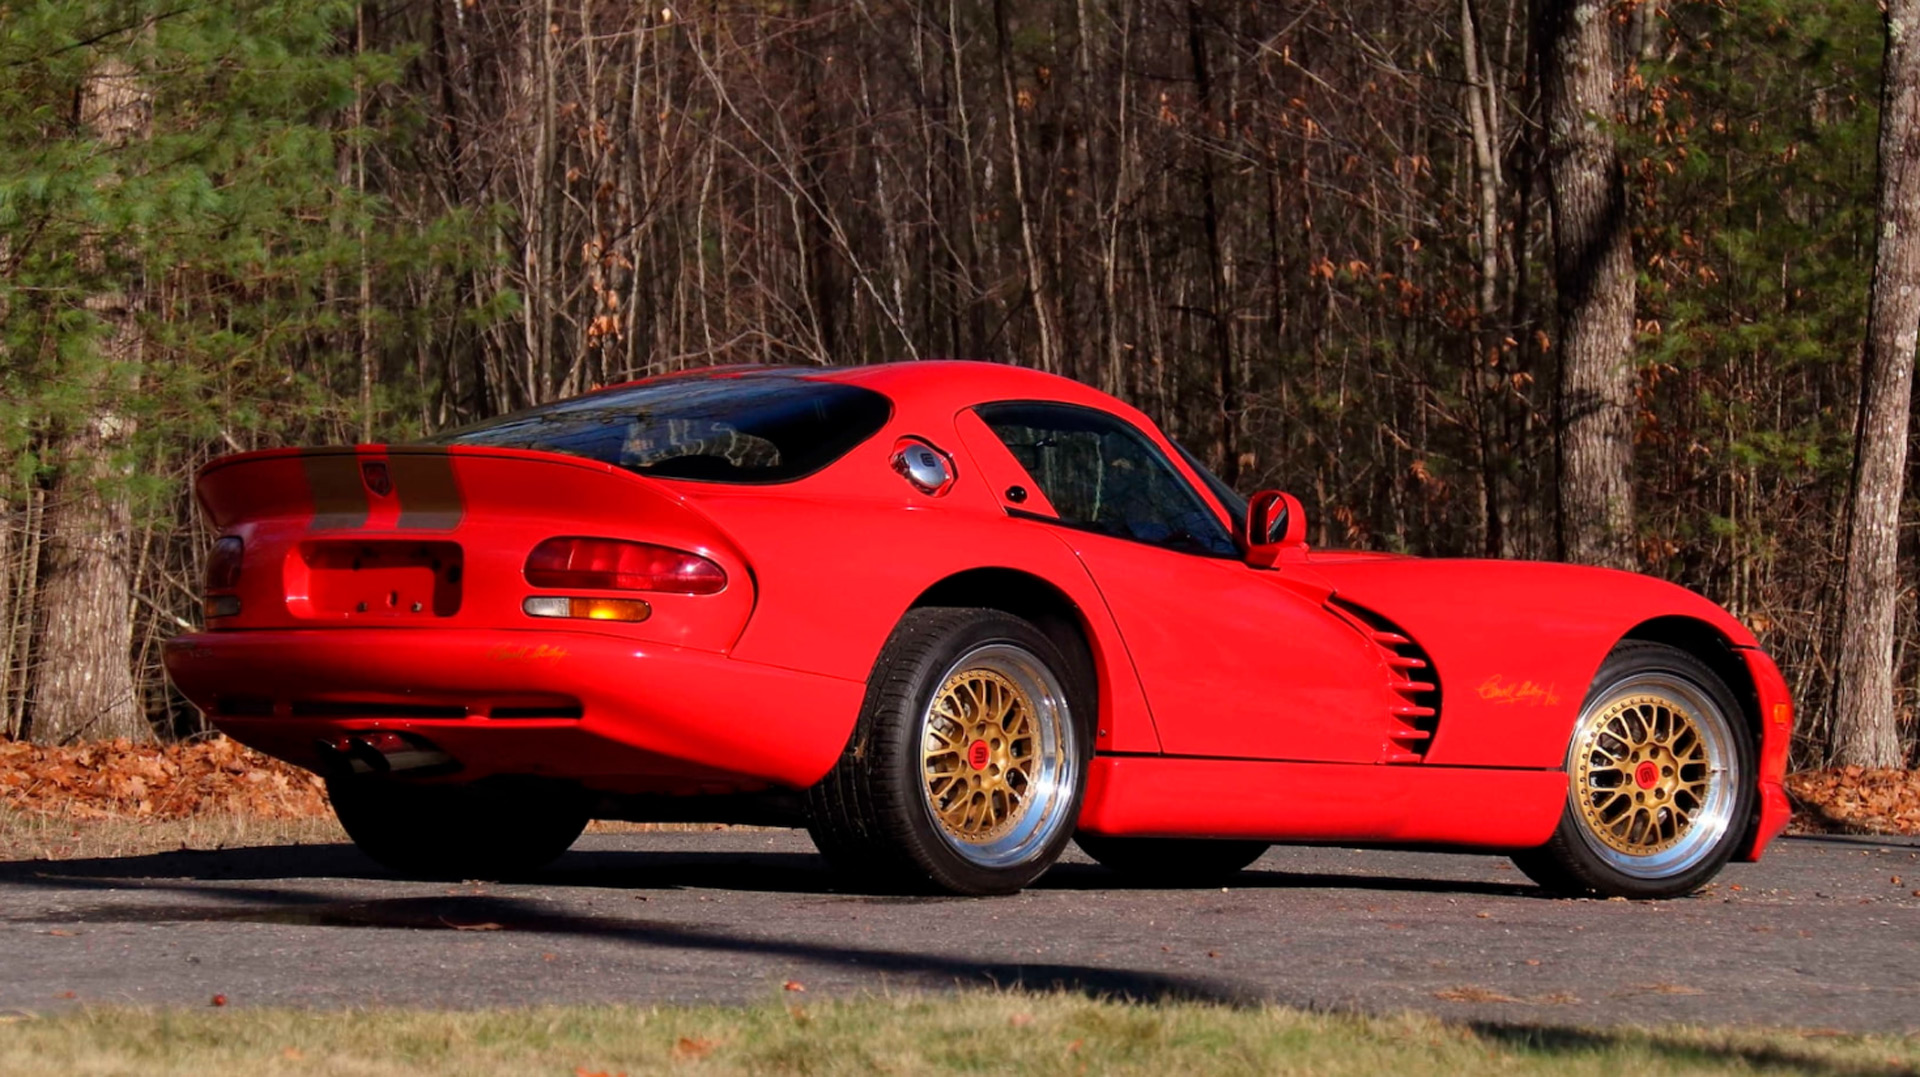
[339, 496]
[429, 495]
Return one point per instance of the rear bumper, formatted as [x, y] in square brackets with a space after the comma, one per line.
[1776, 737]
[650, 718]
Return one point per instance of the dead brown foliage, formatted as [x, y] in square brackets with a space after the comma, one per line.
[1855, 799]
[119, 779]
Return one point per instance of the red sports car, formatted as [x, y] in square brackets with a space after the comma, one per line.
[949, 616]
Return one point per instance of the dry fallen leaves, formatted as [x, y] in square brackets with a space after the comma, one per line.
[1659, 988]
[118, 779]
[691, 1048]
[1470, 993]
[1857, 799]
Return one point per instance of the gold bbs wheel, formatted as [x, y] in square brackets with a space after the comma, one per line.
[1652, 767]
[981, 753]
[1643, 774]
[997, 764]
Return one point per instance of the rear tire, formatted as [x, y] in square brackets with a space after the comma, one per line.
[456, 831]
[1172, 861]
[965, 770]
[1660, 781]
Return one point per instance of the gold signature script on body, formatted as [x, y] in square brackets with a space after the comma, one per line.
[544, 652]
[1498, 689]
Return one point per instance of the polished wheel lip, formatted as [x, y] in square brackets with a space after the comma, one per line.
[1028, 797]
[1676, 821]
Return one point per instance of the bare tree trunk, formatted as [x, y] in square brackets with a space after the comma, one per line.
[16, 635]
[1483, 114]
[1593, 274]
[1226, 368]
[1864, 731]
[1037, 285]
[364, 311]
[12, 581]
[83, 678]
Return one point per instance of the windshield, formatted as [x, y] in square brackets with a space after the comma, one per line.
[1235, 505]
[751, 428]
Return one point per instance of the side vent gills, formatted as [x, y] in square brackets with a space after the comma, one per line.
[1415, 715]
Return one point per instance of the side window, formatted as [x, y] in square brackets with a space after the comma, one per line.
[1103, 475]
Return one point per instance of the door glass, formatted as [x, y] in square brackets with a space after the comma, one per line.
[1103, 475]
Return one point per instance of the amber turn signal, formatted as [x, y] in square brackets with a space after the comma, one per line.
[629, 610]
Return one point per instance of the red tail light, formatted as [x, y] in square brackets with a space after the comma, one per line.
[611, 565]
[223, 564]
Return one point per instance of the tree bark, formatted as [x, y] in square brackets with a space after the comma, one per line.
[1864, 727]
[1593, 275]
[1037, 284]
[83, 678]
[1483, 117]
[1226, 366]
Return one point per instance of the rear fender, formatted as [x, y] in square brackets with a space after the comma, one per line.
[828, 605]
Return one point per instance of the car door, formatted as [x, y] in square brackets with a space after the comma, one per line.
[1236, 662]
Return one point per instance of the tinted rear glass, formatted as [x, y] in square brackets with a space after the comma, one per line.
[733, 429]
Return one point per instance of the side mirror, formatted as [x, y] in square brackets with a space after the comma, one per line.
[1276, 528]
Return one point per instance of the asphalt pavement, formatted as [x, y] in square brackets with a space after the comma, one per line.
[1824, 934]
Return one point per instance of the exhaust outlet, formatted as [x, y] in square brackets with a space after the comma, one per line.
[379, 752]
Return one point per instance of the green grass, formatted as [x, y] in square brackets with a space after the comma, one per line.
[987, 1033]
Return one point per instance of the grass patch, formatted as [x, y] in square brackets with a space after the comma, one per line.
[979, 1032]
[34, 836]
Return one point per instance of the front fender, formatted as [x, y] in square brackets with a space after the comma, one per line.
[1515, 644]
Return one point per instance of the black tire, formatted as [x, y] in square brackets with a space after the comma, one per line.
[457, 831]
[1648, 817]
[876, 816]
[1172, 861]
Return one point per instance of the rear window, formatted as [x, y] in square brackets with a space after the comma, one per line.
[744, 428]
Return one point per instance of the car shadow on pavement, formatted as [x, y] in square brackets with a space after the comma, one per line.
[1680, 1052]
[455, 911]
[238, 887]
[751, 871]
[1262, 877]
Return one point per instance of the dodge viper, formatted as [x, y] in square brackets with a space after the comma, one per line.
[949, 617]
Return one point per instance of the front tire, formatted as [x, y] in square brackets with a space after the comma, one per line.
[1660, 781]
[966, 768]
[456, 831]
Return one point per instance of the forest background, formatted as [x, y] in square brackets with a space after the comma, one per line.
[1333, 246]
